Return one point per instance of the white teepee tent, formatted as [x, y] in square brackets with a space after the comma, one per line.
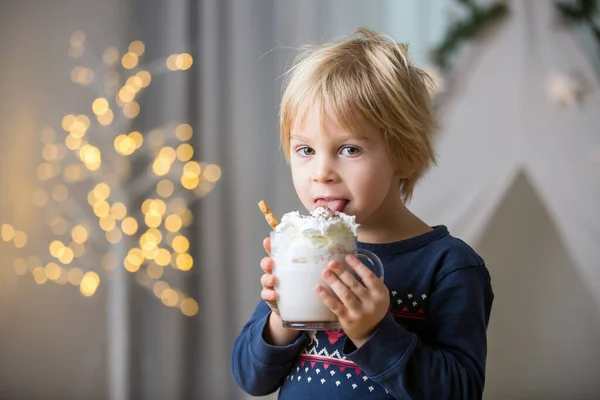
[519, 179]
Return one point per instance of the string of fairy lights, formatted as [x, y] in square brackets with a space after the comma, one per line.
[90, 205]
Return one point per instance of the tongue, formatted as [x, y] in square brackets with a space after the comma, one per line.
[334, 205]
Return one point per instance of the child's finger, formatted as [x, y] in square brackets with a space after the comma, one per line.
[348, 279]
[364, 273]
[266, 264]
[267, 281]
[342, 291]
[268, 295]
[267, 245]
[332, 302]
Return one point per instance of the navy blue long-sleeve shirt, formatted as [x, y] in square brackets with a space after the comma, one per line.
[430, 345]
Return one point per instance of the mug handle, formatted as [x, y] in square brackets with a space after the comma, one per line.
[373, 259]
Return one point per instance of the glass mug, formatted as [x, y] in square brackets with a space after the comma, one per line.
[298, 269]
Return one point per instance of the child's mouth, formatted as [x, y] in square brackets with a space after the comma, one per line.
[333, 204]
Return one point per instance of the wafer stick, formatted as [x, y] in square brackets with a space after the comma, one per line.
[269, 216]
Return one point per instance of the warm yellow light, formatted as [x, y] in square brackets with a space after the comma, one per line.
[171, 62]
[159, 288]
[118, 211]
[101, 209]
[184, 61]
[149, 241]
[20, 239]
[40, 198]
[67, 256]
[154, 271]
[145, 77]
[52, 271]
[173, 223]
[189, 182]
[79, 234]
[163, 257]
[135, 256]
[212, 173]
[8, 232]
[50, 152]
[153, 219]
[107, 118]
[102, 191]
[185, 152]
[107, 223]
[39, 275]
[129, 266]
[165, 188]
[91, 156]
[131, 109]
[68, 121]
[126, 94]
[135, 82]
[129, 60]
[137, 138]
[129, 226]
[169, 297]
[191, 170]
[189, 307]
[137, 47]
[56, 248]
[180, 244]
[89, 283]
[124, 145]
[100, 106]
[60, 193]
[75, 276]
[158, 205]
[91, 198]
[184, 132]
[184, 262]
[20, 266]
[110, 56]
[150, 253]
[72, 142]
[161, 167]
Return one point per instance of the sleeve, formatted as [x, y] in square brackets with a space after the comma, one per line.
[258, 367]
[451, 365]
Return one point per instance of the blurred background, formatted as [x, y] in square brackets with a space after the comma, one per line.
[137, 136]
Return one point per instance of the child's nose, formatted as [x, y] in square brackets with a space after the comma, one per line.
[325, 171]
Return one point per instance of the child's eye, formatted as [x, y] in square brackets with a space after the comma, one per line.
[305, 151]
[349, 151]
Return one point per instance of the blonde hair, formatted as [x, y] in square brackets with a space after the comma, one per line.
[371, 74]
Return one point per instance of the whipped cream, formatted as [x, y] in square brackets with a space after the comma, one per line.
[321, 222]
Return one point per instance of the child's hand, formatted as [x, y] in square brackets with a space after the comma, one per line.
[359, 308]
[268, 279]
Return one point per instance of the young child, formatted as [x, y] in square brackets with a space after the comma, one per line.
[357, 127]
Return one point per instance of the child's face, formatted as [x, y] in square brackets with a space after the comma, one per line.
[348, 171]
